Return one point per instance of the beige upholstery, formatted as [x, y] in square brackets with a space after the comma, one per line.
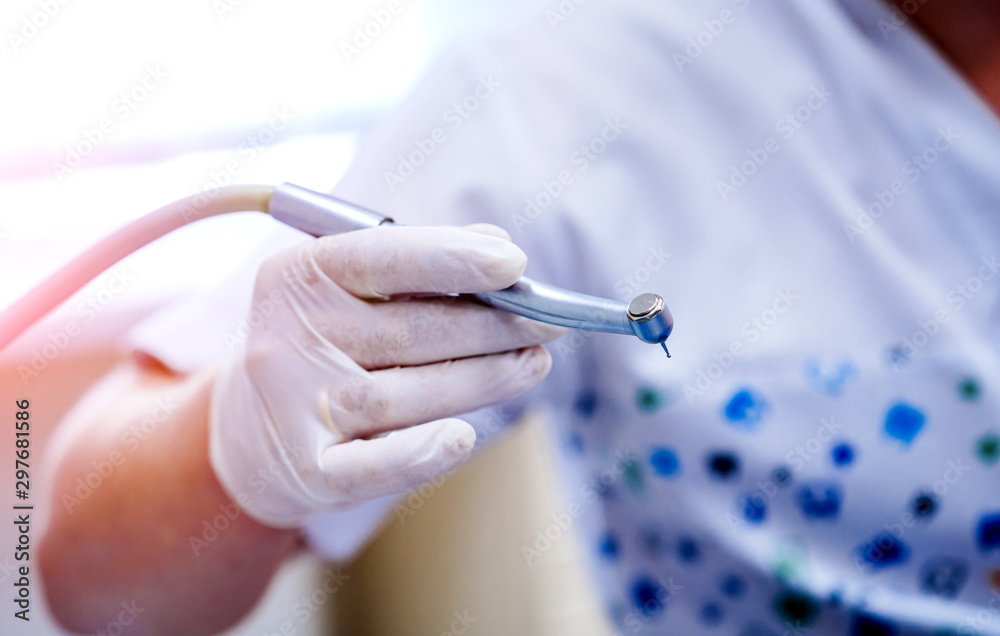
[459, 556]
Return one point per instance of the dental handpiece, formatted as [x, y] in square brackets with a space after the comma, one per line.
[645, 317]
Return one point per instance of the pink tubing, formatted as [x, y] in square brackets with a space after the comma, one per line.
[70, 278]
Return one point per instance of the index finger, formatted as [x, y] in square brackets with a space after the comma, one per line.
[389, 260]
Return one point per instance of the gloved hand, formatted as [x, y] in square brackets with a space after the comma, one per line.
[348, 350]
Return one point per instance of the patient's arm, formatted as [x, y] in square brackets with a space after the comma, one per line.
[139, 537]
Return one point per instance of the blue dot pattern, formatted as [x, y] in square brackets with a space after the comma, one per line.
[665, 462]
[988, 532]
[943, 576]
[609, 546]
[745, 408]
[711, 614]
[754, 507]
[843, 454]
[781, 476]
[586, 404]
[924, 505]
[904, 422]
[819, 500]
[648, 596]
[688, 550]
[883, 550]
[733, 586]
[801, 493]
[723, 465]
[687, 506]
[830, 382]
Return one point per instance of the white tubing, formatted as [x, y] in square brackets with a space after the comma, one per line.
[70, 278]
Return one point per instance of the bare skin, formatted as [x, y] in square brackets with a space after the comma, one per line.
[137, 539]
[129, 541]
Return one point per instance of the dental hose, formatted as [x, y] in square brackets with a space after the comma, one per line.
[645, 317]
[72, 276]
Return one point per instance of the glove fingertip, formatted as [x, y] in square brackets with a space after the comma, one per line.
[457, 439]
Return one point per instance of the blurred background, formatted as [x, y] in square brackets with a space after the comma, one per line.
[113, 108]
[184, 89]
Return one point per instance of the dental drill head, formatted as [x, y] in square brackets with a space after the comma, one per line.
[650, 319]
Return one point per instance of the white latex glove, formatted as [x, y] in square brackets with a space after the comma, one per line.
[345, 353]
